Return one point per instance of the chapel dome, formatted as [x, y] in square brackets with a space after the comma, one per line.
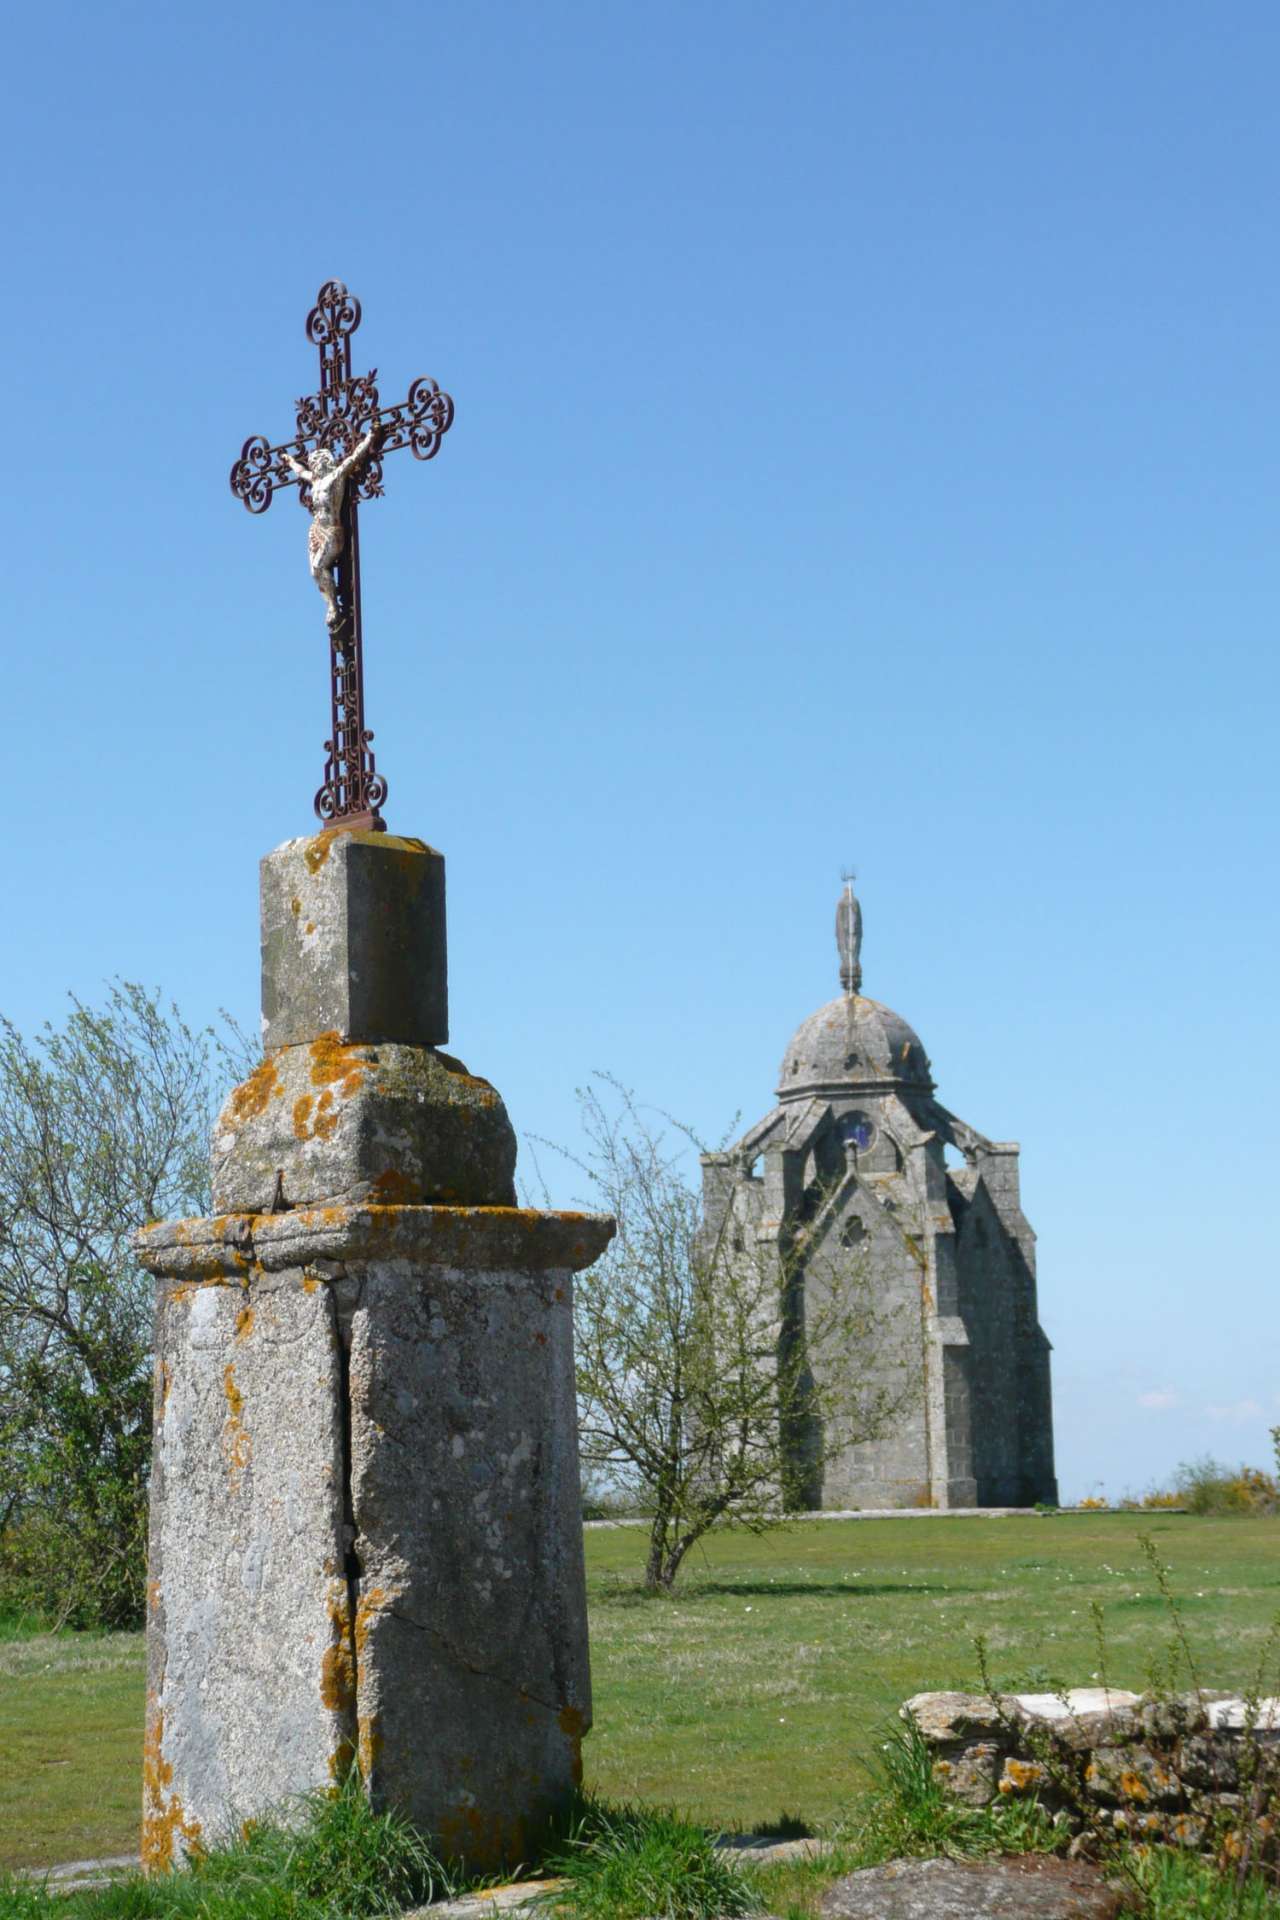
[853, 1042]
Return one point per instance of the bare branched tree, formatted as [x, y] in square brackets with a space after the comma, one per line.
[710, 1381]
[103, 1125]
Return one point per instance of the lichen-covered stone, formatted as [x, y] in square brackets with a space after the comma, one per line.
[970, 1773]
[353, 941]
[1081, 1717]
[1132, 1776]
[250, 1695]
[943, 1718]
[472, 1615]
[1234, 1715]
[1023, 1777]
[1171, 1716]
[366, 1541]
[326, 1239]
[1132, 1821]
[1026, 1887]
[332, 1124]
[1210, 1763]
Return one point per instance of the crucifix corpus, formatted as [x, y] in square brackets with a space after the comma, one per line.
[335, 460]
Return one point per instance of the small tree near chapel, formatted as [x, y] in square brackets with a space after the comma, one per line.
[712, 1385]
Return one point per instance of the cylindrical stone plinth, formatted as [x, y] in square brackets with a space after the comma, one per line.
[366, 1543]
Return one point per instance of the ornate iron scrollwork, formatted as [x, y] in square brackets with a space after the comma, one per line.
[344, 409]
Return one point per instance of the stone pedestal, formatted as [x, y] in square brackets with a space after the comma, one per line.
[366, 1544]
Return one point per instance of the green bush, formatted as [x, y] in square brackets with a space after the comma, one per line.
[1206, 1486]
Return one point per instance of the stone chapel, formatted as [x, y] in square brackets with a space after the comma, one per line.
[851, 1162]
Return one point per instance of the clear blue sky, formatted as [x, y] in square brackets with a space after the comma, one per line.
[868, 450]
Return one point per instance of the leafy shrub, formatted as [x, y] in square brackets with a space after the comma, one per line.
[1206, 1486]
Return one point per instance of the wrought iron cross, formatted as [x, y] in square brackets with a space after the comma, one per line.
[338, 418]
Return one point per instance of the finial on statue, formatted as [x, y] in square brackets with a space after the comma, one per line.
[849, 936]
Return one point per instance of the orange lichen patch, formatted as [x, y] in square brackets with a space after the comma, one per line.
[163, 1819]
[368, 1743]
[338, 1665]
[1133, 1786]
[485, 1089]
[393, 1188]
[333, 1064]
[318, 852]
[315, 1120]
[396, 841]
[153, 1595]
[1255, 1836]
[1021, 1776]
[244, 1323]
[250, 1098]
[235, 1399]
[368, 1727]
[237, 1444]
[310, 927]
[370, 1605]
[295, 905]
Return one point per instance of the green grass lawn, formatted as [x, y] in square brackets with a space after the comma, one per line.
[759, 1687]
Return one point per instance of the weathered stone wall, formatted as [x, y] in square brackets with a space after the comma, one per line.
[989, 1275]
[893, 1469]
[1170, 1768]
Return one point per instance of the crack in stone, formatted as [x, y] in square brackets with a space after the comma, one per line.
[482, 1673]
[344, 1300]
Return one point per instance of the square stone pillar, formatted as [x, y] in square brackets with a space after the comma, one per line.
[353, 941]
[366, 1540]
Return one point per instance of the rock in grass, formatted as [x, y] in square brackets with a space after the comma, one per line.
[972, 1774]
[1027, 1887]
[945, 1717]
